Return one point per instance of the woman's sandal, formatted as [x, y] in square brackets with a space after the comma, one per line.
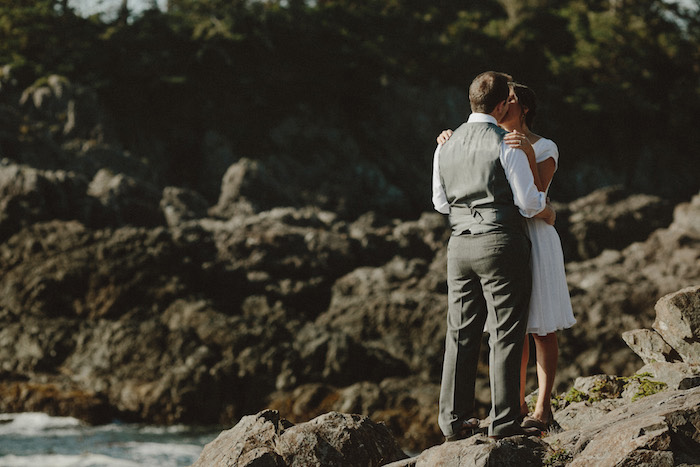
[532, 422]
[465, 430]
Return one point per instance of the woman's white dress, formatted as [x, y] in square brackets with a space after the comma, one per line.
[550, 303]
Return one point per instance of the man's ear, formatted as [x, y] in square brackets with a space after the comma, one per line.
[500, 106]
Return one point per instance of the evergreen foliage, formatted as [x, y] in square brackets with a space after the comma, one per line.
[363, 87]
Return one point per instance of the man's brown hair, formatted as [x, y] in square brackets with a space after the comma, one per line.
[487, 90]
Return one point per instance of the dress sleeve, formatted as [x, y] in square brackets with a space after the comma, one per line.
[548, 149]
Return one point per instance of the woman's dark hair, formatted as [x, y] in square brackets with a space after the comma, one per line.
[526, 98]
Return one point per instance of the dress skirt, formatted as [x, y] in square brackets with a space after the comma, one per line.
[550, 303]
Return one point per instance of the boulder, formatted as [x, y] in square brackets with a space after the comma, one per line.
[58, 398]
[126, 200]
[253, 441]
[481, 451]
[248, 187]
[685, 217]
[29, 195]
[649, 345]
[332, 356]
[406, 404]
[677, 375]
[180, 205]
[290, 255]
[617, 291]
[331, 439]
[678, 322]
[610, 218]
[660, 429]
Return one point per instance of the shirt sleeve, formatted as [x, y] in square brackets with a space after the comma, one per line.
[439, 197]
[527, 198]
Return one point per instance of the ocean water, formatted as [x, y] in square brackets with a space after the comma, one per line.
[38, 440]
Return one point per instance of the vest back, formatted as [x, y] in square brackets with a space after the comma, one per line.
[475, 182]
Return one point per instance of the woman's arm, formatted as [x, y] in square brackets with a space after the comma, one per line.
[545, 170]
[518, 140]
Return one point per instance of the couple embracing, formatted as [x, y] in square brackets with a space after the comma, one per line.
[505, 268]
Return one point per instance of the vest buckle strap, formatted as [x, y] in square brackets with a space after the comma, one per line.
[476, 214]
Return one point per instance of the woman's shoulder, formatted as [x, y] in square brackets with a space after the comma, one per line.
[546, 148]
[546, 142]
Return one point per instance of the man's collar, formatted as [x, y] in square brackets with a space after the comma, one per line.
[481, 118]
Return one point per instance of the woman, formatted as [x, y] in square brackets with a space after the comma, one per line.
[550, 304]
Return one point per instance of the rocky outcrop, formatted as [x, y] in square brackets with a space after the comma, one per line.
[481, 451]
[660, 429]
[609, 219]
[676, 334]
[650, 418]
[678, 323]
[617, 291]
[28, 196]
[157, 303]
[331, 439]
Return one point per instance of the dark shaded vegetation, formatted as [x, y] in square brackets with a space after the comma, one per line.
[345, 97]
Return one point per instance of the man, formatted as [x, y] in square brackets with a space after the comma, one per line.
[486, 188]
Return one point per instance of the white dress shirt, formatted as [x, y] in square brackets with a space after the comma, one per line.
[529, 200]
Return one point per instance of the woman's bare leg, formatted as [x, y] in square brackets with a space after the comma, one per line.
[547, 349]
[523, 375]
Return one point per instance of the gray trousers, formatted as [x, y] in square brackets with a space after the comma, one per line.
[489, 280]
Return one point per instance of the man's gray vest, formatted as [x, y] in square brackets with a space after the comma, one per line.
[475, 182]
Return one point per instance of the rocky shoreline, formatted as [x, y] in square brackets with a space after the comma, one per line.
[651, 418]
[126, 299]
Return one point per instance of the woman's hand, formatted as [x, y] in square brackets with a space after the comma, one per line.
[548, 214]
[444, 136]
[518, 140]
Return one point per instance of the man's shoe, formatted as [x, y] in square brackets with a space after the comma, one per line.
[465, 430]
[527, 431]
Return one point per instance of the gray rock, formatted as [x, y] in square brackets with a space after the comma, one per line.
[678, 322]
[616, 292]
[28, 195]
[331, 439]
[126, 200]
[180, 205]
[481, 451]
[678, 375]
[253, 441]
[661, 428]
[248, 187]
[686, 217]
[406, 405]
[649, 345]
[610, 218]
[576, 414]
[600, 386]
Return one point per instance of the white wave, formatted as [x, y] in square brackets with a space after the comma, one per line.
[33, 423]
[39, 440]
[144, 452]
[57, 460]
